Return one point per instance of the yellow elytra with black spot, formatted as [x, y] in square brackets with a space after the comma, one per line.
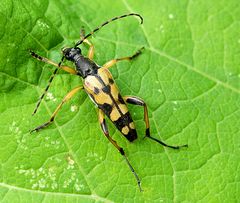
[101, 88]
[105, 94]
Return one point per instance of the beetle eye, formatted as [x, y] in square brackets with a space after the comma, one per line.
[88, 71]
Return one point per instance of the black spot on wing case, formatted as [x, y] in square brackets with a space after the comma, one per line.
[124, 121]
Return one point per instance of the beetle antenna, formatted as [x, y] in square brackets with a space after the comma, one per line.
[105, 23]
[59, 64]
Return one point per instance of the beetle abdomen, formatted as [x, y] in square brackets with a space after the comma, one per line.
[126, 126]
[105, 94]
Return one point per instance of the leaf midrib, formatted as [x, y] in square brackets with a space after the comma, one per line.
[92, 196]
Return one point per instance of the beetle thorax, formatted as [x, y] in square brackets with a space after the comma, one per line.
[84, 66]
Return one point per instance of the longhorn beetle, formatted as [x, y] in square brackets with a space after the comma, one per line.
[98, 83]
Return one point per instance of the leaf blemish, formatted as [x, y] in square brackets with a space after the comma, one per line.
[170, 16]
[50, 96]
[42, 24]
[70, 160]
[78, 186]
[73, 108]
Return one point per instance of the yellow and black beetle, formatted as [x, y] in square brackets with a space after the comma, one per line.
[98, 83]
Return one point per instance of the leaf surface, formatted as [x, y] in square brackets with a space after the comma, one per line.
[188, 75]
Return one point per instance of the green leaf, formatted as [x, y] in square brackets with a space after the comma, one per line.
[188, 75]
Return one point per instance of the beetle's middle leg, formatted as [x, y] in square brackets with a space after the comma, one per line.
[91, 47]
[128, 58]
[140, 102]
[66, 98]
[120, 149]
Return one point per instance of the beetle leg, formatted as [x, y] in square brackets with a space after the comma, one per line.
[140, 102]
[91, 47]
[45, 91]
[65, 68]
[128, 58]
[45, 60]
[66, 98]
[120, 149]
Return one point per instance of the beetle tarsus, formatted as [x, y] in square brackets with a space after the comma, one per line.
[166, 145]
[134, 173]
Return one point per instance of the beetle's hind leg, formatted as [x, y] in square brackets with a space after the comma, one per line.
[91, 47]
[140, 102]
[120, 149]
[66, 98]
[128, 58]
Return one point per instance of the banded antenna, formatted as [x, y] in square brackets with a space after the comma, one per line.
[105, 23]
[60, 63]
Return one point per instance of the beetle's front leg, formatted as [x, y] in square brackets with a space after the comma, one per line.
[66, 98]
[46, 60]
[140, 102]
[103, 124]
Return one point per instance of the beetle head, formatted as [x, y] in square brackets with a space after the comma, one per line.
[69, 53]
